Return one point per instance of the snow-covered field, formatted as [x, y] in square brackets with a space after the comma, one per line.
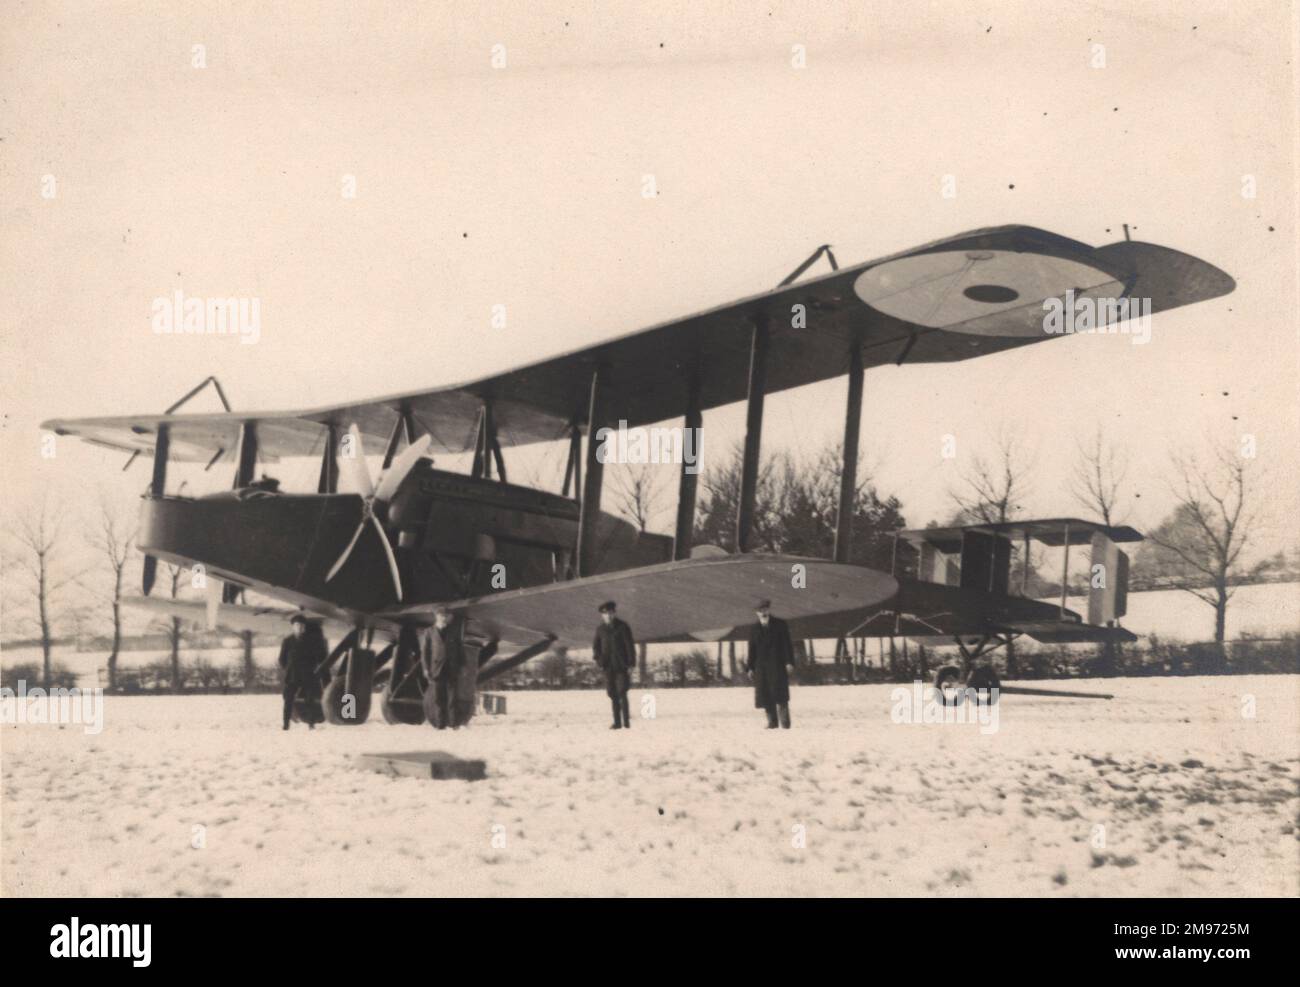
[1166, 790]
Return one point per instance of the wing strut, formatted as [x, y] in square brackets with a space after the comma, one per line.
[794, 275]
[515, 660]
[573, 468]
[185, 397]
[689, 480]
[156, 487]
[589, 506]
[487, 447]
[158, 483]
[759, 345]
[849, 467]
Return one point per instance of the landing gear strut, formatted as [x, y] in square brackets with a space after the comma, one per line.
[403, 697]
[953, 685]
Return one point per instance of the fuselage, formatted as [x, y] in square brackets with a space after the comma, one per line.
[454, 536]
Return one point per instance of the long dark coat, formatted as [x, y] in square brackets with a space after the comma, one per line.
[443, 656]
[615, 653]
[300, 659]
[444, 652]
[770, 651]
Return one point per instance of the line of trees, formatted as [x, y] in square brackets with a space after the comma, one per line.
[1201, 545]
[796, 508]
[50, 584]
[67, 576]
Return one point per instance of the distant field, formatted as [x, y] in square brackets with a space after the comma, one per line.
[1262, 610]
[1166, 790]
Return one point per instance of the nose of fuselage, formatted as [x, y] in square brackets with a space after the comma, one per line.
[280, 541]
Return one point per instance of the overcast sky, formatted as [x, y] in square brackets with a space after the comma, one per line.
[522, 186]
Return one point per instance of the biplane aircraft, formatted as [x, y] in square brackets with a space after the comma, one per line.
[376, 557]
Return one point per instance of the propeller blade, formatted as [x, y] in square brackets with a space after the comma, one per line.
[353, 468]
[213, 593]
[150, 573]
[392, 478]
[392, 559]
[339, 562]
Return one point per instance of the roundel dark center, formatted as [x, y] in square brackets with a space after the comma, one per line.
[991, 293]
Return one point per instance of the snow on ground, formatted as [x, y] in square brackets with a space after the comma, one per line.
[1193, 799]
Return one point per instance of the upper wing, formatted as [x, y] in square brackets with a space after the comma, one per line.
[200, 438]
[954, 299]
[694, 599]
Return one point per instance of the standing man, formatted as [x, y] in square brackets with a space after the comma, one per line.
[770, 651]
[443, 656]
[615, 653]
[301, 655]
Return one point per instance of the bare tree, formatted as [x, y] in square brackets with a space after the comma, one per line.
[638, 490]
[1202, 543]
[1098, 477]
[175, 626]
[38, 539]
[993, 489]
[715, 516]
[112, 535]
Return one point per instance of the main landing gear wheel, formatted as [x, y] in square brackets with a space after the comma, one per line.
[403, 697]
[952, 687]
[396, 710]
[347, 696]
[986, 684]
[948, 685]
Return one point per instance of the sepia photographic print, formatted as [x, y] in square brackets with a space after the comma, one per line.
[615, 450]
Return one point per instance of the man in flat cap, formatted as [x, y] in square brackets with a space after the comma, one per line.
[770, 651]
[615, 653]
[443, 655]
[302, 654]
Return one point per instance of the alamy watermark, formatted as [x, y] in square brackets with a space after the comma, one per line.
[926, 704]
[650, 445]
[1130, 316]
[84, 707]
[105, 940]
[194, 316]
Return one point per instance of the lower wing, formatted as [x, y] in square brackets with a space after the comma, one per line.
[700, 599]
[233, 617]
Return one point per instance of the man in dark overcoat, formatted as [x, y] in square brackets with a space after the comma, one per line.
[443, 656]
[615, 652]
[770, 651]
[302, 654]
